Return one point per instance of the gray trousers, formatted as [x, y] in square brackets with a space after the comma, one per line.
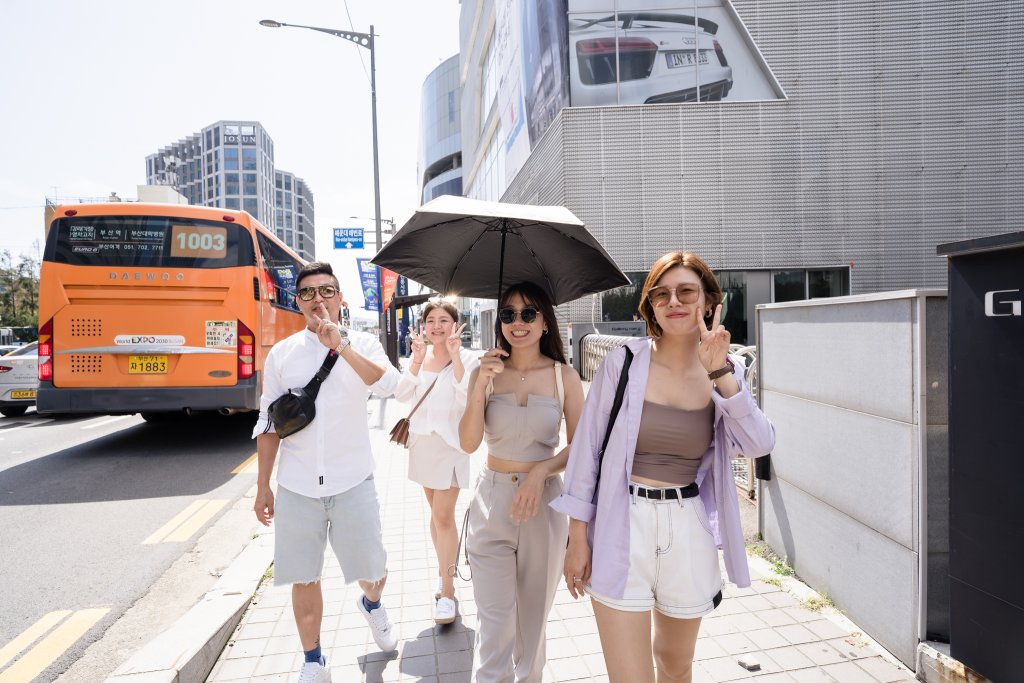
[516, 570]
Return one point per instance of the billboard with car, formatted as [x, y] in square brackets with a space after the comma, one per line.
[662, 52]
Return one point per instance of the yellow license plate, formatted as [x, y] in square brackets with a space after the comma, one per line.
[147, 365]
[27, 393]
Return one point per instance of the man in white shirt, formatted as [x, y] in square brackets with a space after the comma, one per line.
[325, 477]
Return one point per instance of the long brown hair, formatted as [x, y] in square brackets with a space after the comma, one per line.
[673, 259]
[550, 343]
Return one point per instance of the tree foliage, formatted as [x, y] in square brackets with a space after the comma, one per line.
[19, 290]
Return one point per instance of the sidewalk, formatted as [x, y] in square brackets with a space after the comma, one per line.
[770, 622]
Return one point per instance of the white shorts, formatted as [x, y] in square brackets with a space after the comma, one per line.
[673, 560]
[435, 464]
[303, 525]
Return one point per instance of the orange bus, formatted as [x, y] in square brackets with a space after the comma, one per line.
[159, 309]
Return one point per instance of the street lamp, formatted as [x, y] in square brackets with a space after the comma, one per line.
[362, 40]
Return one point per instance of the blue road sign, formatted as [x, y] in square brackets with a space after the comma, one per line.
[348, 238]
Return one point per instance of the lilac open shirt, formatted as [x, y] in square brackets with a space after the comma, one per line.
[741, 429]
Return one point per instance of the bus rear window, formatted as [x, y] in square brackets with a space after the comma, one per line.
[148, 241]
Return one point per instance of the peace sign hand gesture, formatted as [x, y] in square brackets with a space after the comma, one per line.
[327, 331]
[714, 342]
[454, 340]
[419, 347]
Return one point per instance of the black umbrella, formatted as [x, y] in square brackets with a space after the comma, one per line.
[469, 247]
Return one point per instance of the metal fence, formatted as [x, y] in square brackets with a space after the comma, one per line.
[595, 347]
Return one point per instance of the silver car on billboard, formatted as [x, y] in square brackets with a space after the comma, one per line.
[663, 57]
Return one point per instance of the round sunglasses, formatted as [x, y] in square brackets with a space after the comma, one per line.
[527, 315]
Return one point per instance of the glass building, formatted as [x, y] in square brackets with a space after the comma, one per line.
[230, 164]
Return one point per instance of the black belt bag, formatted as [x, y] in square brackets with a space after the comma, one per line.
[297, 408]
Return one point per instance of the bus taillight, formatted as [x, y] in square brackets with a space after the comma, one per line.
[246, 351]
[45, 351]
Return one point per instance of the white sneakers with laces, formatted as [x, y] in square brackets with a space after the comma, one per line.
[314, 672]
[380, 626]
[444, 611]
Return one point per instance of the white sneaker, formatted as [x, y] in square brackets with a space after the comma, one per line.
[444, 611]
[383, 631]
[314, 672]
[440, 587]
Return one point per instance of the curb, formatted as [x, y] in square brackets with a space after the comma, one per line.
[187, 651]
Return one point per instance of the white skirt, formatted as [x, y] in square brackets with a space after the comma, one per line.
[434, 464]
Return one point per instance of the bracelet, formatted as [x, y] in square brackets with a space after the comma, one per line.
[722, 371]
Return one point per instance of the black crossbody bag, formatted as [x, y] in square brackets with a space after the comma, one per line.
[620, 391]
[291, 412]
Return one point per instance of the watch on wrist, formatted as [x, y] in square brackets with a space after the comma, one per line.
[345, 341]
[722, 371]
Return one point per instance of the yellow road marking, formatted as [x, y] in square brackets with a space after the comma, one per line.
[248, 467]
[52, 646]
[193, 523]
[30, 635]
[176, 521]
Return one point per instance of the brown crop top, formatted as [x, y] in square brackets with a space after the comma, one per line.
[672, 441]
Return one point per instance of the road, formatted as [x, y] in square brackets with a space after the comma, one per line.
[93, 511]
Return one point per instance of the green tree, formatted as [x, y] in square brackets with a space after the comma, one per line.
[19, 290]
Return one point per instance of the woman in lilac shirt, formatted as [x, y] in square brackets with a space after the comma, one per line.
[665, 500]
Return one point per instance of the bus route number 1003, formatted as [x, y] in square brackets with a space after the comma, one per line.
[195, 241]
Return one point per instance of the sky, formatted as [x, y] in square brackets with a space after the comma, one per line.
[89, 88]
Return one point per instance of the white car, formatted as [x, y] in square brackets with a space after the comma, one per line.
[664, 57]
[19, 380]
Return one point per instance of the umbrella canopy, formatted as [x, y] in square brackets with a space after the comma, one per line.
[472, 248]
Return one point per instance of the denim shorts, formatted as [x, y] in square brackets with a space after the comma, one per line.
[350, 520]
[673, 560]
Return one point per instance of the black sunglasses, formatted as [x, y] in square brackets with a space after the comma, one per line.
[508, 315]
[326, 291]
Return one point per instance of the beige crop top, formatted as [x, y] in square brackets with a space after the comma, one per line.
[525, 433]
[672, 441]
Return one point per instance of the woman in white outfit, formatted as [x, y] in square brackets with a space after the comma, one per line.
[436, 462]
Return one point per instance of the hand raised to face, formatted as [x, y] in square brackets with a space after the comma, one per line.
[491, 364]
[327, 331]
[419, 347]
[454, 341]
[714, 342]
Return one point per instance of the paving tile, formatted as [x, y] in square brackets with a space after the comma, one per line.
[853, 647]
[244, 648]
[789, 658]
[796, 634]
[848, 672]
[234, 669]
[773, 678]
[820, 653]
[571, 669]
[735, 643]
[588, 644]
[708, 648]
[814, 675]
[775, 617]
[724, 669]
[595, 664]
[801, 614]
[560, 648]
[454, 662]
[766, 638]
[754, 603]
[781, 599]
[418, 666]
[275, 664]
[826, 629]
[884, 671]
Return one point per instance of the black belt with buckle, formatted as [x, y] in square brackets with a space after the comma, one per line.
[676, 493]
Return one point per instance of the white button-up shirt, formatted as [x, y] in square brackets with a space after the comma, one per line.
[443, 408]
[332, 454]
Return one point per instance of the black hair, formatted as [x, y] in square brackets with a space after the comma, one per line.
[315, 268]
[550, 343]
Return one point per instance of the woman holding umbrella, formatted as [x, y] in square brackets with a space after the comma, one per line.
[436, 383]
[516, 542]
[646, 543]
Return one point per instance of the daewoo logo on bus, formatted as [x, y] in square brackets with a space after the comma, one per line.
[165, 277]
[1007, 305]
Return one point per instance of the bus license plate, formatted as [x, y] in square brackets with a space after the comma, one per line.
[147, 365]
[27, 393]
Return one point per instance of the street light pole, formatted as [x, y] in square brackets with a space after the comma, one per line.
[365, 40]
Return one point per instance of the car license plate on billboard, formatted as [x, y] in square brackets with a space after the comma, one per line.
[147, 365]
[686, 58]
[26, 393]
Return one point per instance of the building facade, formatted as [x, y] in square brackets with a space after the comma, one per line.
[440, 149]
[230, 164]
[817, 149]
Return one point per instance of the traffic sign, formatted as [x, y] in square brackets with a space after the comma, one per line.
[348, 238]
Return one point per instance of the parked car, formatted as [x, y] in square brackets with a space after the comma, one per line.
[7, 348]
[663, 57]
[19, 380]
